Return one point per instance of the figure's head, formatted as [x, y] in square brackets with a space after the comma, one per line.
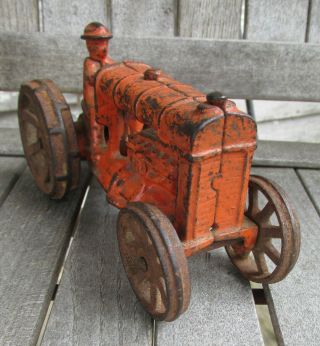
[97, 37]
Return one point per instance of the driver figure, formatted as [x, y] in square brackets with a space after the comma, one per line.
[97, 38]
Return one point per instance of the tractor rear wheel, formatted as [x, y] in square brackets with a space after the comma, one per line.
[48, 137]
[278, 242]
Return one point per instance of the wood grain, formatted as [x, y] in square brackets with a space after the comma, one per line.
[221, 311]
[276, 20]
[287, 154]
[19, 15]
[314, 24]
[95, 304]
[143, 18]
[210, 18]
[293, 302]
[34, 233]
[258, 71]
[70, 17]
[297, 129]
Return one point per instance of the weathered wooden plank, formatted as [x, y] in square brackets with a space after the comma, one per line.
[95, 304]
[210, 18]
[311, 181]
[8, 120]
[8, 101]
[275, 20]
[314, 24]
[278, 110]
[19, 15]
[10, 170]
[287, 154]
[34, 233]
[259, 71]
[143, 17]
[221, 311]
[293, 302]
[70, 17]
[301, 129]
[10, 143]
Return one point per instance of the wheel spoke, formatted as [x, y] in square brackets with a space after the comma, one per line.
[134, 249]
[253, 202]
[34, 148]
[143, 240]
[271, 251]
[30, 118]
[140, 276]
[265, 214]
[162, 292]
[261, 262]
[271, 231]
[153, 296]
[47, 174]
[155, 266]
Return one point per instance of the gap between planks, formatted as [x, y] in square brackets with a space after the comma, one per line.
[12, 183]
[74, 227]
[307, 190]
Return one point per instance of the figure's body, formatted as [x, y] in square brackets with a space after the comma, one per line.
[97, 39]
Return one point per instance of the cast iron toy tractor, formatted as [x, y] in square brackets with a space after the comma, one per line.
[175, 161]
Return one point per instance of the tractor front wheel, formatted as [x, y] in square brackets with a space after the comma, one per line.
[154, 260]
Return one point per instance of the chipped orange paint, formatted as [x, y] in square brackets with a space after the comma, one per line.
[152, 139]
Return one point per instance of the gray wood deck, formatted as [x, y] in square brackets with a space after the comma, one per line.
[34, 233]
[94, 304]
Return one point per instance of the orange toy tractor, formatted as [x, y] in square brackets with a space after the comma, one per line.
[175, 161]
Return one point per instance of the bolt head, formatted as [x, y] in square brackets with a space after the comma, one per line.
[215, 96]
[203, 106]
[152, 74]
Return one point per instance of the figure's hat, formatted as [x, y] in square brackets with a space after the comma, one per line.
[96, 31]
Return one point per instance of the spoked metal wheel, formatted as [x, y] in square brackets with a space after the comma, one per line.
[154, 261]
[278, 243]
[48, 137]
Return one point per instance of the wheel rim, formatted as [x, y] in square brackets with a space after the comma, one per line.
[157, 270]
[48, 137]
[278, 242]
[144, 269]
[35, 141]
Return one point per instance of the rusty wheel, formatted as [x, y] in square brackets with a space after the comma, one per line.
[278, 243]
[48, 137]
[154, 260]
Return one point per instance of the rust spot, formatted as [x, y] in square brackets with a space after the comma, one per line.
[105, 84]
[120, 182]
[153, 103]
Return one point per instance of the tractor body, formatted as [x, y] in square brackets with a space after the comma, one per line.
[162, 142]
